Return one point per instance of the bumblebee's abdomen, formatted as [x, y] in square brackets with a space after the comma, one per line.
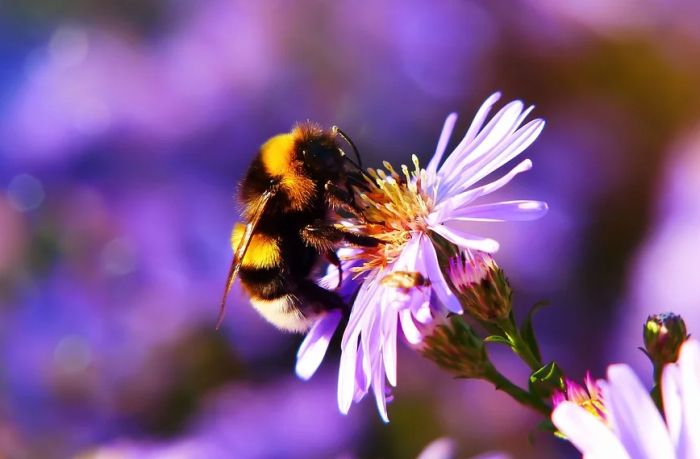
[284, 313]
[264, 283]
[263, 251]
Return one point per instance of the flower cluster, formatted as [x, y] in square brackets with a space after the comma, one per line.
[634, 427]
[422, 215]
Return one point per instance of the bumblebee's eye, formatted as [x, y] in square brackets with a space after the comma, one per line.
[323, 159]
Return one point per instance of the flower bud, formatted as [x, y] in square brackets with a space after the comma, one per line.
[481, 286]
[453, 346]
[663, 336]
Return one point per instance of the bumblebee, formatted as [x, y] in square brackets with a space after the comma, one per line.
[290, 195]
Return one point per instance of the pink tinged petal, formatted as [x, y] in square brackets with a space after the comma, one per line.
[346, 375]
[673, 401]
[502, 211]
[592, 385]
[445, 135]
[315, 345]
[410, 331]
[442, 211]
[503, 153]
[575, 393]
[557, 398]
[466, 240]
[437, 280]
[689, 364]
[587, 433]
[634, 416]
[389, 324]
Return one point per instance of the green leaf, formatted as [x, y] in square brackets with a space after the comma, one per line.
[528, 332]
[498, 339]
[546, 380]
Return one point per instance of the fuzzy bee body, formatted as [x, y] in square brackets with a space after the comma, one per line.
[288, 195]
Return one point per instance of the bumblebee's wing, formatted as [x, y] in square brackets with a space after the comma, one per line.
[258, 208]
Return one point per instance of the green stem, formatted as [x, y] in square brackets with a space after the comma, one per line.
[656, 390]
[519, 394]
[519, 345]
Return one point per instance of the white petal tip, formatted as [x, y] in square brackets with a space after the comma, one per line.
[344, 407]
[302, 373]
[491, 246]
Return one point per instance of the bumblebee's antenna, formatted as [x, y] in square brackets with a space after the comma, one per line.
[350, 142]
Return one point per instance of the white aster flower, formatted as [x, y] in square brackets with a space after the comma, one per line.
[632, 427]
[402, 278]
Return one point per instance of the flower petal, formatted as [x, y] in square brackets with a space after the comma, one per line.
[314, 346]
[442, 448]
[502, 211]
[421, 310]
[673, 402]
[466, 240]
[474, 129]
[689, 364]
[346, 375]
[389, 324]
[362, 375]
[442, 144]
[443, 209]
[587, 433]
[507, 150]
[634, 416]
[379, 388]
[480, 117]
[408, 326]
[497, 132]
[358, 314]
[370, 336]
[434, 273]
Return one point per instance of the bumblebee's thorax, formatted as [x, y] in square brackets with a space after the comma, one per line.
[300, 163]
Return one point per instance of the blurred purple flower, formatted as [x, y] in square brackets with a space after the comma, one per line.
[404, 212]
[635, 428]
[302, 424]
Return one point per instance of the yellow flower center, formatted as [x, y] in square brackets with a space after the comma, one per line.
[394, 206]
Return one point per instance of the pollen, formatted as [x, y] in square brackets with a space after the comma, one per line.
[394, 206]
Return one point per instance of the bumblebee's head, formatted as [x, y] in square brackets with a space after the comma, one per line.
[319, 152]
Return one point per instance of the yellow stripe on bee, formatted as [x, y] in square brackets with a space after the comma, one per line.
[278, 154]
[278, 158]
[263, 251]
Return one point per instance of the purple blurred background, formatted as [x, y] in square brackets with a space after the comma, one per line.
[125, 126]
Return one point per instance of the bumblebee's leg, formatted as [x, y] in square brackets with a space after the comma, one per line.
[324, 237]
[314, 298]
[339, 198]
[333, 259]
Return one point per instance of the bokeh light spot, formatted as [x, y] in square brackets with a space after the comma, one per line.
[118, 257]
[72, 354]
[25, 192]
[68, 45]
